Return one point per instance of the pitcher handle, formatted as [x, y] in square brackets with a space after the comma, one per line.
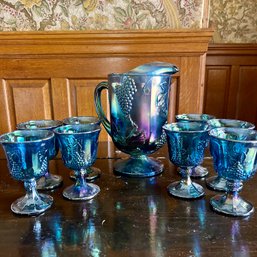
[98, 105]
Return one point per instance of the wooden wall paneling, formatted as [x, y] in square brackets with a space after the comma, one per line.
[216, 91]
[64, 67]
[173, 103]
[231, 81]
[6, 108]
[232, 88]
[247, 94]
[202, 81]
[82, 100]
[31, 99]
[61, 102]
[192, 91]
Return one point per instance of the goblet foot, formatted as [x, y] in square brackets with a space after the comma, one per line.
[198, 172]
[92, 174]
[233, 206]
[140, 167]
[183, 190]
[32, 206]
[49, 182]
[78, 193]
[218, 183]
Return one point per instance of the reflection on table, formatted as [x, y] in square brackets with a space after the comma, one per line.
[129, 217]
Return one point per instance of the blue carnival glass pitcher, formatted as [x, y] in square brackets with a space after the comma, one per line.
[138, 102]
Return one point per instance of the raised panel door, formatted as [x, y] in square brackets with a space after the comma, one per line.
[216, 91]
[246, 107]
[82, 100]
[26, 100]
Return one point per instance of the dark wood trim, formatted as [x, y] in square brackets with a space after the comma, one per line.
[232, 49]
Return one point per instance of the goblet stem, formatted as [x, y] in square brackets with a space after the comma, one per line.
[32, 203]
[231, 203]
[185, 188]
[49, 181]
[234, 187]
[81, 190]
[186, 180]
[80, 179]
[92, 174]
[30, 187]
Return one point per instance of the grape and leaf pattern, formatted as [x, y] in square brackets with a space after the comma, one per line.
[125, 93]
[22, 169]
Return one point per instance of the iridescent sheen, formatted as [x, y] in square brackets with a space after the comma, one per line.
[187, 142]
[155, 68]
[234, 152]
[230, 123]
[92, 172]
[75, 120]
[27, 153]
[199, 171]
[49, 180]
[78, 145]
[218, 183]
[138, 103]
[194, 117]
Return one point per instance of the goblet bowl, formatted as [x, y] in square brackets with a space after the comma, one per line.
[92, 172]
[49, 180]
[78, 145]
[217, 182]
[234, 152]
[199, 171]
[187, 142]
[27, 153]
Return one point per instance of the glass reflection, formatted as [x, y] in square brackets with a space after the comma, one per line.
[124, 224]
[50, 236]
[240, 245]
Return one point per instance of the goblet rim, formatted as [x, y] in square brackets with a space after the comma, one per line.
[228, 129]
[167, 125]
[180, 118]
[54, 124]
[56, 130]
[95, 118]
[251, 125]
[48, 135]
[134, 74]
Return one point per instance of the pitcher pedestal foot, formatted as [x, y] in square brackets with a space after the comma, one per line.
[141, 167]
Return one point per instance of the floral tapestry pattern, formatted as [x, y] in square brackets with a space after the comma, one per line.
[45, 15]
[234, 21]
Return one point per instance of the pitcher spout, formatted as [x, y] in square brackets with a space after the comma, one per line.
[155, 68]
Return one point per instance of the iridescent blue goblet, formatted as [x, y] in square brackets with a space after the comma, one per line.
[234, 152]
[48, 181]
[187, 142]
[199, 171]
[218, 183]
[78, 145]
[27, 153]
[92, 172]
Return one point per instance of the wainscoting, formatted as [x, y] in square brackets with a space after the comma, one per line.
[52, 75]
[231, 81]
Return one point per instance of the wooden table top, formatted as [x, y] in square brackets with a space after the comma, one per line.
[130, 217]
